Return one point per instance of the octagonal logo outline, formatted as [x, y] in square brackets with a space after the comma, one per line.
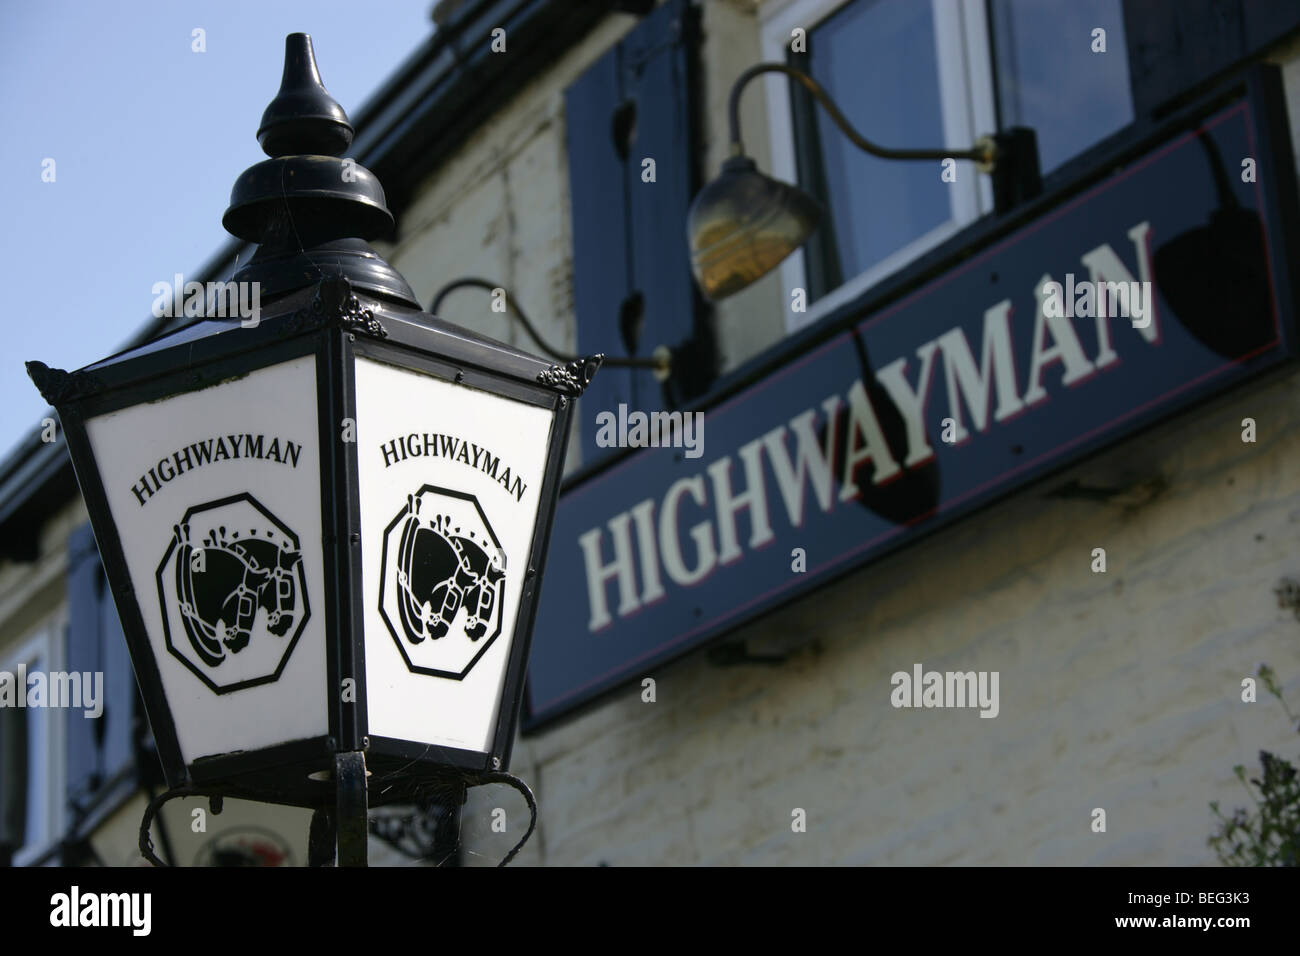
[298, 570]
[395, 632]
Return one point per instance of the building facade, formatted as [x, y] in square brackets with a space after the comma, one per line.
[924, 445]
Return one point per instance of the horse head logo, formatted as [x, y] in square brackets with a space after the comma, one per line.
[442, 569]
[222, 583]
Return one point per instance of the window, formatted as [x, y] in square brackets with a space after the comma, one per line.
[906, 73]
[1053, 76]
[31, 741]
[924, 74]
[904, 203]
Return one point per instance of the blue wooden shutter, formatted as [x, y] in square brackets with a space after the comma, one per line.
[97, 750]
[630, 256]
[601, 270]
[84, 768]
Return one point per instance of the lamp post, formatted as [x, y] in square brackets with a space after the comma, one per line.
[325, 529]
[744, 223]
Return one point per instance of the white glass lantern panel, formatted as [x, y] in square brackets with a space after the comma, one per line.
[450, 481]
[216, 498]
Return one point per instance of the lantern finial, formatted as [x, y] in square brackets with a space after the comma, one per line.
[303, 117]
[311, 211]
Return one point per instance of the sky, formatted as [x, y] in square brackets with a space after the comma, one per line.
[147, 137]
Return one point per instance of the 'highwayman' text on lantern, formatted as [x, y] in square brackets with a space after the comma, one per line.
[208, 450]
[426, 444]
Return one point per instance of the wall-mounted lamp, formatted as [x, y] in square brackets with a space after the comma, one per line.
[660, 360]
[743, 223]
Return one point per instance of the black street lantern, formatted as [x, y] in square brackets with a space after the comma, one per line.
[324, 525]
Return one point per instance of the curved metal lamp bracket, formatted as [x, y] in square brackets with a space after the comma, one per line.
[660, 361]
[984, 152]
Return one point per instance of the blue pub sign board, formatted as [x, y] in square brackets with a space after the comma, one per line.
[1161, 285]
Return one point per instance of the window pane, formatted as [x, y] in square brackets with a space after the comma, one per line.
[877, 60]
[1050, 79]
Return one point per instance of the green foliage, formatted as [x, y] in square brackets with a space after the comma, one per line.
[1268, 835]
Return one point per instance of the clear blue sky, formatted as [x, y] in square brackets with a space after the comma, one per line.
[147, 138]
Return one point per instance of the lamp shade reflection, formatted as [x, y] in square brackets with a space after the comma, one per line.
[1215, 277]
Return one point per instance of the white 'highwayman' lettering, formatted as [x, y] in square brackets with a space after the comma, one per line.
[1109, 291]
[632, 548]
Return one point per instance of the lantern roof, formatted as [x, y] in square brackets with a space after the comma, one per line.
[331, 301]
